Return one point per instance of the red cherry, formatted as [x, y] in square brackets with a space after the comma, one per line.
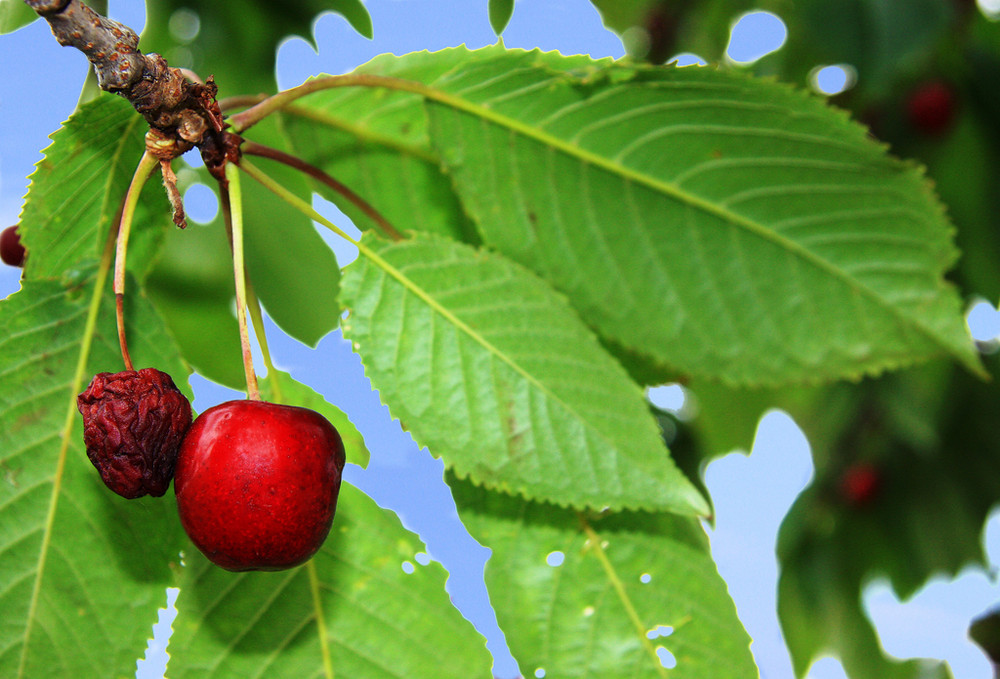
[860, 484]
[257, 484]
[11, 250]
[931, 107]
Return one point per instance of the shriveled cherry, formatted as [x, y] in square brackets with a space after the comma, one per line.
[257, 484]
[11, 250]
[133, 425]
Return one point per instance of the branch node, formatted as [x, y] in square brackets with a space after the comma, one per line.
[172, 104]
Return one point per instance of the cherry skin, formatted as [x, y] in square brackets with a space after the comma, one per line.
[11, 250]
[861, 484]
[257, 484]
[931, 107]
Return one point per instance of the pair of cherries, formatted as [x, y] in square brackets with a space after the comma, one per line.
[256, 482]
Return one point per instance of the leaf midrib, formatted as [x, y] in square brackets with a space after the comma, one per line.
[424, 296]
[483, 112]
[671, 190]
[362, 133]
[478, 338]
[76, 384]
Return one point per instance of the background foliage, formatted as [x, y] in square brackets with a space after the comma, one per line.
[576, 230]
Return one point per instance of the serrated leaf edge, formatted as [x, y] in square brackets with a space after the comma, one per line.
[411, 286]
[434, 93]
[67, 430]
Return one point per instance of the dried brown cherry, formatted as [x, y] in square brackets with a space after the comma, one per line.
[133, 425]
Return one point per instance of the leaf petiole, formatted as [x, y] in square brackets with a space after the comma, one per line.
[319, 175]
[299, 204]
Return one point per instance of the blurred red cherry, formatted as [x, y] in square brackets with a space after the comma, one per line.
[930, 107]
[860, 484]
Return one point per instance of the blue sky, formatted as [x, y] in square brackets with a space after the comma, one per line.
[406, 479]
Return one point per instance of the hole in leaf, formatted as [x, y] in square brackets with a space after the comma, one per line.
[422, 558]
[408, 567]
[667, 658]
[660, 631]
[687, 59]
[832, 79]
[983, 320]
[539, 673]
[754, 35]
[555, 559]
[645, 578]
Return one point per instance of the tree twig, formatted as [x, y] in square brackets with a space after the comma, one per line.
[179, 108]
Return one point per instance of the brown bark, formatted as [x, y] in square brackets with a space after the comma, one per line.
[183, 113]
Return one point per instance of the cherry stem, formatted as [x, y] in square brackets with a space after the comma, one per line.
[253, 115]
[253, 305]
[240, 101]
[234, 197]
[254, 149]
[147, 164]
[257, 319]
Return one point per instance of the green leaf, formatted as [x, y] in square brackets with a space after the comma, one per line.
[14, 14]
[628, 584]
[985, 631]
[923, 517]
[689, 457]
[380, 621]
[242, 61]
[280, 387]
[621, 15]
[355, 13]
[491, 370]
[732, 228]
[656, 31]
[82, 571]
[726, 418]
[192, 286]
[78, 187]
[963, 169]
[294, 272]
[829, 32]
[831, 620]
[75, 194]
[500, 13]
[376, 143]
